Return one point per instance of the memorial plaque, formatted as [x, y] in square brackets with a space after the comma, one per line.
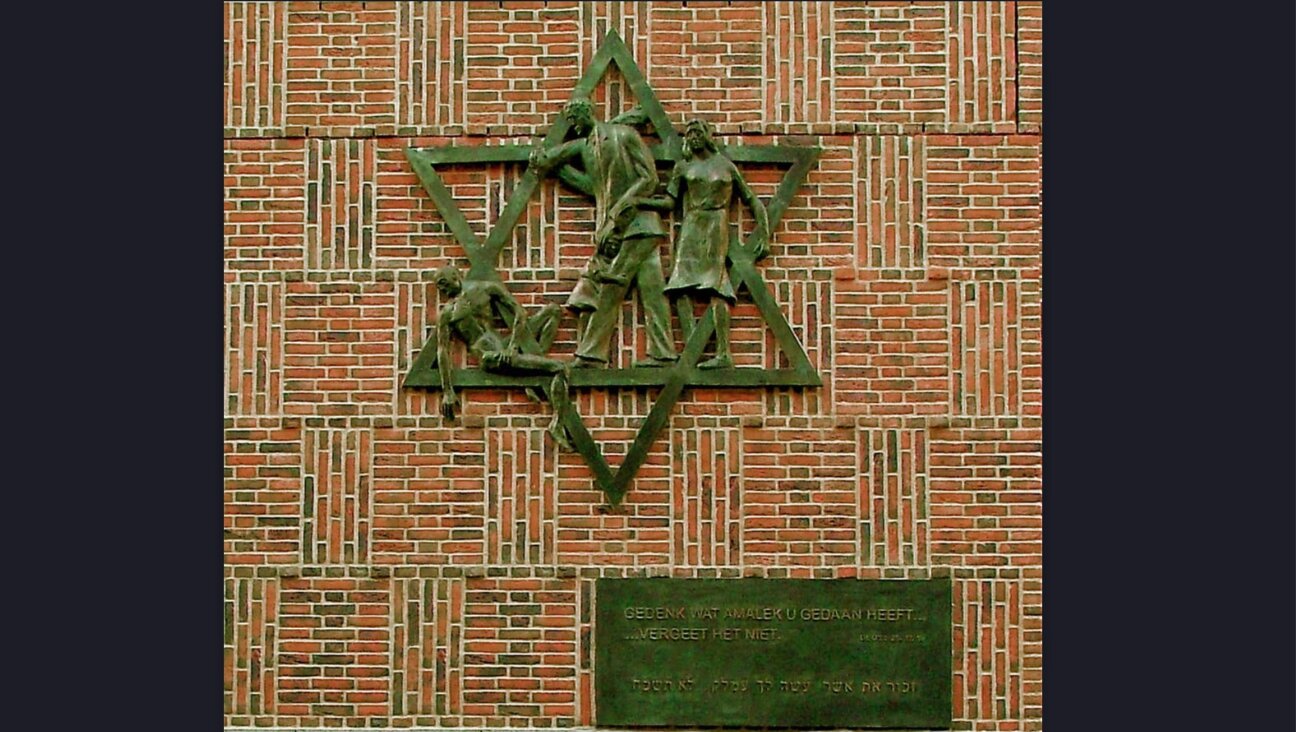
[773, 653]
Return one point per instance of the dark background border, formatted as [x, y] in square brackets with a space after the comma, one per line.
[1168, 239]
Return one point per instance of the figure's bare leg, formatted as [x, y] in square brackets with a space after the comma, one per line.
[544, 326]
[559, 398]
[721, 328]
[530, 363]
[722, 360]
[684, 308]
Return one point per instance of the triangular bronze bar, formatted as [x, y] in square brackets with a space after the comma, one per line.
[484, 255]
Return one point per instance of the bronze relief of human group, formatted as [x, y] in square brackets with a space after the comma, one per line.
[610, 162]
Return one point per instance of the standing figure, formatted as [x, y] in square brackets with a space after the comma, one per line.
[469, 315]
[706, 179]
[620, 174]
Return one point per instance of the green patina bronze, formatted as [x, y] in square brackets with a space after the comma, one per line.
[469, 313]
[773, 653]
[625, 232]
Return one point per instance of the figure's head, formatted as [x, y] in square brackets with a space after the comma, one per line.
[448, 282]
[698, 136]
[579, 112]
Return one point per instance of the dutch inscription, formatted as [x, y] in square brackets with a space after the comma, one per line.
[798, 653]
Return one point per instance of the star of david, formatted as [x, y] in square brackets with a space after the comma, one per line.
[483, 256]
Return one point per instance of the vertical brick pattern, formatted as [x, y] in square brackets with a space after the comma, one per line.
[339, 347]
[988, 648]
[800, 494]
[335, 650]
[254, 348]
[337, 496]
[427, 649]
[632, 21]
[982, 63]
[894, 528]
[341, 67]
[533, 249]
[983, 201]
[808, 305]
[1030, 71]
[585, 603]
[520, 652]
[708, 61]
[251, 636]
[255, 66]
[798, 62]
[985, 347]
[890, 200]
[262, 491]
[416, 314]
[431, 86]
[889, 62]
[706, 496]
[521, 496]
[340, 203]
[429, 494]
[629, 343]
[265, 182]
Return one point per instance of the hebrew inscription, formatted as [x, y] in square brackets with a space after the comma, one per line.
[761, 652]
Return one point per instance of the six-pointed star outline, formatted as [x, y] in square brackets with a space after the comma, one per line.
[483, 256]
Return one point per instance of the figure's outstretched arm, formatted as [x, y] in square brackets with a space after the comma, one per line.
[760, 237]
[666, 202]
[576, 179]
[434, 342]
[449, 399]
[634, 117]
[544, 161]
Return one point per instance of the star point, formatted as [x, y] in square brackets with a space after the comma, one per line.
[483, 256]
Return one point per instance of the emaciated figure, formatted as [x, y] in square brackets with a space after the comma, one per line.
[705, 181]
[619, 172]
[469, 315]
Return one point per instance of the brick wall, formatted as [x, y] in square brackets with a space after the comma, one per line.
[387, 568]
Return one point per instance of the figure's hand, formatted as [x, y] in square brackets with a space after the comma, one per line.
[449, 401]
[539, 160]
[608, 240]
[623, 215]
[761, 239]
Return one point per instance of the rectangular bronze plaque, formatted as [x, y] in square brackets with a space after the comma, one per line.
[772, 653]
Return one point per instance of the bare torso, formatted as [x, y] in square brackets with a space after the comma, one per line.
[471, 317]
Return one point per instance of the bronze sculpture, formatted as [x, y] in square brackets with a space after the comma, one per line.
[620, 173]
[468, 314]
[483, 254]
[705, 181]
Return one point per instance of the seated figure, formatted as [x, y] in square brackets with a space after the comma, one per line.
[468, 314]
